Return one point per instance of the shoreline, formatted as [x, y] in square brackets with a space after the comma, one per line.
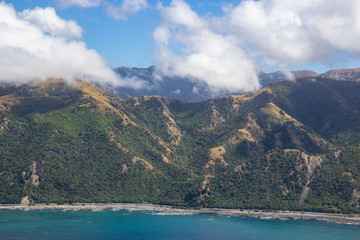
[172, 210]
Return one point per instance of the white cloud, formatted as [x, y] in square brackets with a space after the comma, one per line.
[180, 13]
[78, 3]
[337, 23]
[162, 34]
[271, 28]
[177, 91]
[126, 9]
[49, 22]
[295, 32]
[208, 56]
[222, 51]
[28, 53]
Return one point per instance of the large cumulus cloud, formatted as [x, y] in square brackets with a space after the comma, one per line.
[224, 51]
[37, 44]
[189, 46]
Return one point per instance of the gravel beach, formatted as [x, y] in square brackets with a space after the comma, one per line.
[170, 210]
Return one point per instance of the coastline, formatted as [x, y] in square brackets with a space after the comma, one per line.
[172, 210]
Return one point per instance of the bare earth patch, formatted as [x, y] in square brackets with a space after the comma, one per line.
[166, 160]
[216, 155]
[111, 135]
[311, 163]
[145, 163]
[34, 178]
[25, 200]
[355, 198]
[124, 168]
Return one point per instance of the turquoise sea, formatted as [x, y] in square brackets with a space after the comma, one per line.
[55, 224]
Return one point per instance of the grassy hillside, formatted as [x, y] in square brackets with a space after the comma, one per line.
[291, 145]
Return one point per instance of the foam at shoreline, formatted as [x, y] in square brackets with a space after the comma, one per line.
[171, 210]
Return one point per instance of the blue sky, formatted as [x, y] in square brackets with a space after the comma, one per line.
[223, 43]
[122, 43]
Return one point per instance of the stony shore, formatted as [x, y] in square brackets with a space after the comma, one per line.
[169, 210]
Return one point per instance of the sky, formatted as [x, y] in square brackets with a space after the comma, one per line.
[223, 43]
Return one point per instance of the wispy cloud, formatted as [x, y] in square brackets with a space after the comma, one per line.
[126, 9]
[78, 3]
[36, 44]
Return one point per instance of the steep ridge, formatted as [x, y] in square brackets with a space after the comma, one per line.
[291, 145]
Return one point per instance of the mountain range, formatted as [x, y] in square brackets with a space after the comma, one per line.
[290, 145]
[189, 89]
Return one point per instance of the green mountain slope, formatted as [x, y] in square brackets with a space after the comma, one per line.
[291, 145]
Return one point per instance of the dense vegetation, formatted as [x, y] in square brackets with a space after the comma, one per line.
[291, 145]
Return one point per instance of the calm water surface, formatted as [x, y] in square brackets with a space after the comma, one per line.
[54, 224]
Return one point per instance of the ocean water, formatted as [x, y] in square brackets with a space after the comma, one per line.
[55, 224]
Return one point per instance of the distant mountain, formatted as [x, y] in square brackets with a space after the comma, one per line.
[291, 145]
[266, 78]
[346, 74]
[188, 89]
[181, 88]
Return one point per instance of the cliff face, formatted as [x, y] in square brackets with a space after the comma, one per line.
[290, 145]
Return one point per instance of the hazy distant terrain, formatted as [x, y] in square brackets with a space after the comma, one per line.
[190, 90]
[187, 89]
